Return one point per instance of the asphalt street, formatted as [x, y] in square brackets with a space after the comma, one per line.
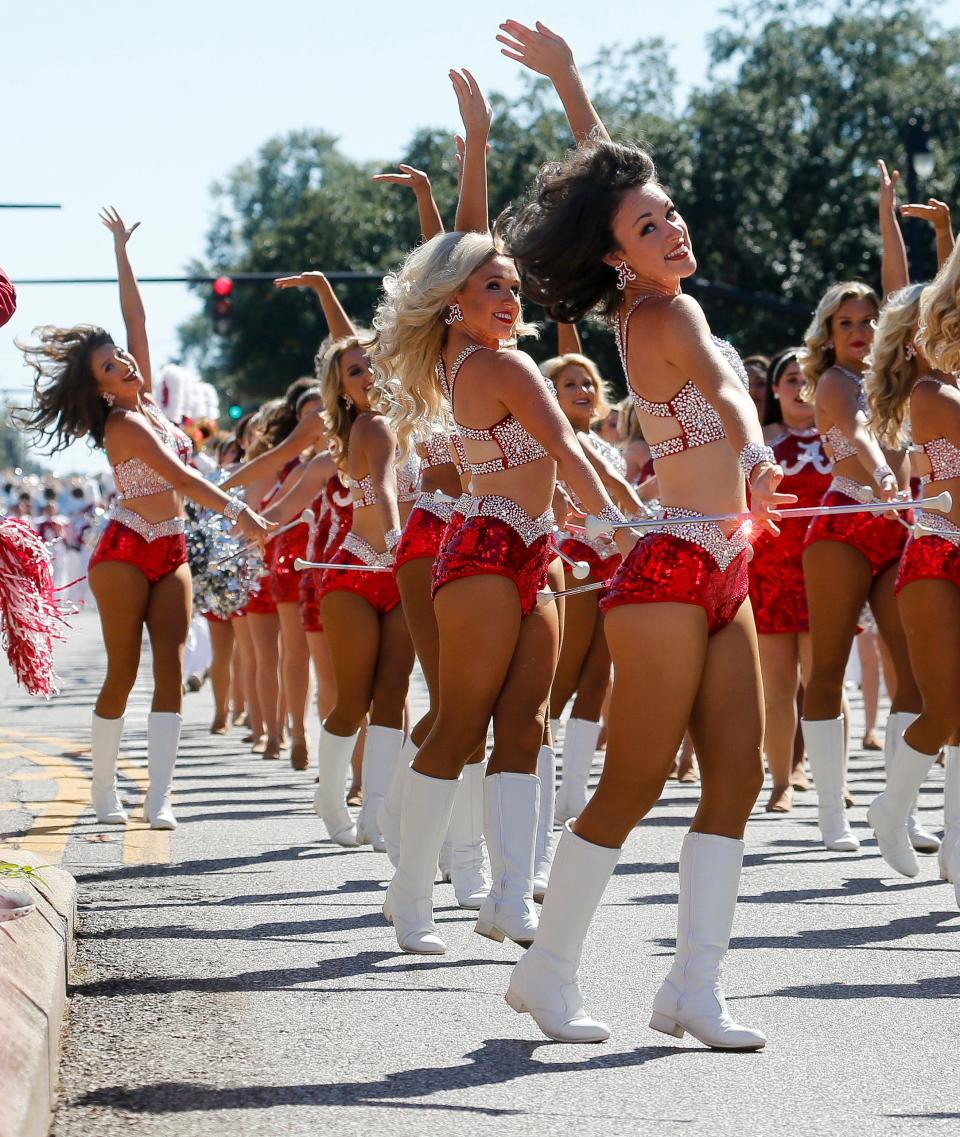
[237, 976]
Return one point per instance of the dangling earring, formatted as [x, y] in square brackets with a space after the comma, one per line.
[454, 315]
[348, 401]
[828, 345]
[910, 351]
[108, 398]
[624, 274]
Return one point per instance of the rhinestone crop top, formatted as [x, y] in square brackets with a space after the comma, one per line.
[517, 445]
[840, 446]
[435, 450]
[408, 484]
[698, 421]
[133, 477]
[943, 456]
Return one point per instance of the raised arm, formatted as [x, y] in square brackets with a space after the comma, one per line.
[568, 340]
[473, 212]
[131, 303]
[311, 430]
[548, 54]
[338, 321]
[894, 268]
[938, 214]
[431, 222]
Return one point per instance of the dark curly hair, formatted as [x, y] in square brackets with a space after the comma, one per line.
[564, 227]
[66, 400]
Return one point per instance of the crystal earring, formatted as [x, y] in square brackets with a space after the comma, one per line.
[108, 398]
[910, 351]
[348, 401]
[828, 345]
[624, 274]
[454, 315]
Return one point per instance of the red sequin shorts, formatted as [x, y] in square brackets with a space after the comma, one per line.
[155, 548]
[284, 578]
[932, 556]
[379, 589]
[880, 539]
[687, 564]
[497, 537]
[424, 529]
[777, 590]
[601, 567]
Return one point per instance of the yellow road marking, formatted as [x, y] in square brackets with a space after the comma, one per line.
[56, 817]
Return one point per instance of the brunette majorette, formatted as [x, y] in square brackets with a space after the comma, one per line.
[88, 387]
[676, 622]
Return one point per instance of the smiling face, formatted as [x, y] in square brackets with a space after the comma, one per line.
[652, 238]
[577, 394]
[789, 386]
[116, 373]
[851, 329]
[490, 300]
[356, 378]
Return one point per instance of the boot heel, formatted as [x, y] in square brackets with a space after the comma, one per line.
[516, 1003]
[491, 931]
[665, 1025]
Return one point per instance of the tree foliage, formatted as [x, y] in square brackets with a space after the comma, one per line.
[772, 164]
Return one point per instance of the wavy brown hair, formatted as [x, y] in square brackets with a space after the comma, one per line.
[66, 400]
[560, 234]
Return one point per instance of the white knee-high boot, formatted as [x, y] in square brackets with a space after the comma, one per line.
[104, 750]
[824, 741]
[543, 852]
[329, 798]
[163, 739]
[424, 818]
[545, 983]
[947, 857]
[466, 862]
[381, 756]
[510, 808]
[897, 722]
[888, 812]
[388, 812]
[579, 746]
[691, 998]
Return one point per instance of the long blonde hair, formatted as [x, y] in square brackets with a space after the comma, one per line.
[410, 331]
[338, 416]
[939, 335]
[552, 368]
[890, 374]
[817, 357]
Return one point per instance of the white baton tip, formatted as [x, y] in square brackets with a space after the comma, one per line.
[299, 564]
[943, 502]
[307, 516]
[581, 570]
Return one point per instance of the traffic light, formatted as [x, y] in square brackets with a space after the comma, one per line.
[235, 411]
[222, 306]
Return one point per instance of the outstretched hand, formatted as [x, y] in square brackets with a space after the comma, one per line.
[538, 48]
[114, 222]
[765, 502]
[303, 280]
[936, 212]
[417, 180]
[888, 186]
[474, 108]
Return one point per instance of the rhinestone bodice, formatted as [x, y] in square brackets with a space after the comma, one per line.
[517, 446]
[133, 477]
[943, 456]
[435, 450]
[408, 479]
[698, 421]
[840, 446]
[364, 491]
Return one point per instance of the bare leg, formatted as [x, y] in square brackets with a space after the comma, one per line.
[265, 632]
[930, 610]
[222, 643]
[295, 664]
[248, 673]
[168, 621]
[779, 663]
[414, 583]
[323, 669]
[869, 687]
[904, 696]
[122, 624]
[578, 635]
[391, 678]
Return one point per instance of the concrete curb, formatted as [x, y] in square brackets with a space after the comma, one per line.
[36, 957]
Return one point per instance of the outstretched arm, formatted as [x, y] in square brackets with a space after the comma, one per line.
[473, 212]
[894, 269]
[431, 222]
[548, 54]
[338, 321]
[131, 303]
[938, 214]
[568, 340]
[310, 431]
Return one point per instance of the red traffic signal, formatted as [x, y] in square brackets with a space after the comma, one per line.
[223, 286]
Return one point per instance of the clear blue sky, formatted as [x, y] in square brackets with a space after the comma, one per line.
[144, 105]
